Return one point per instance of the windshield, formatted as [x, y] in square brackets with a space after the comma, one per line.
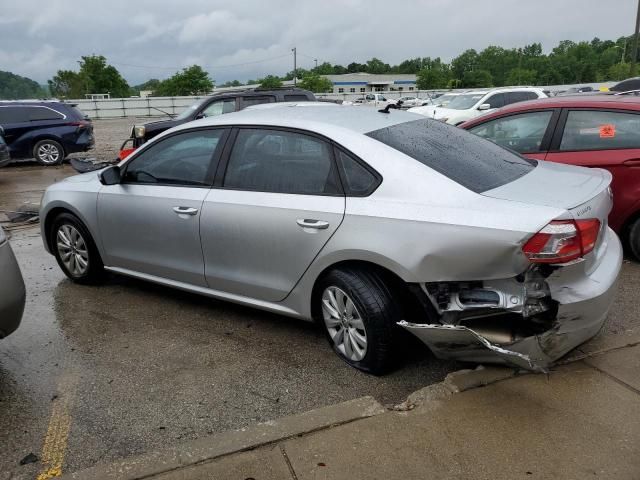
[463, 102]
[189, 110]
[471, 161]
[443, 100]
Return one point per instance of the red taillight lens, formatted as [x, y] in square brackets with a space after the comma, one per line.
[562, 241]
[81, 123]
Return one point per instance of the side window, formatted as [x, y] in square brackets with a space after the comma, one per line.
[515, 97]
[42, 113]
[282, 162]
[522, 133]
[248, 101]
[182, 159]
[220, 107]
[495, 101]
[358, 180]
[10, 115]
[598, 130]
[296, 98]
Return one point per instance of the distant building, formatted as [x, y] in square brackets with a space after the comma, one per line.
[370, 82]
[97, 96]
[146, 93]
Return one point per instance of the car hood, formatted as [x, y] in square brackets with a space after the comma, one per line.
[554, 185]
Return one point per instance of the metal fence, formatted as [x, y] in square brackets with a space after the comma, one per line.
[157, 106]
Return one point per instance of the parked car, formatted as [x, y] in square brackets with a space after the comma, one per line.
[4, 150]
[367, 222]
[12, 291]
[45, 130]
[473, 104]
[627, 85]
[409, 101]
[600, 131]
[218, 104]
[375, 99]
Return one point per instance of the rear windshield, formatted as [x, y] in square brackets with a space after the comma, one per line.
[473, 162]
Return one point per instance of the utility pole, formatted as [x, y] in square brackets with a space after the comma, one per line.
[295, 64]
[316, 60]
[635, 43]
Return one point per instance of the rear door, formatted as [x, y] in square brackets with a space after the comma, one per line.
[607, 139]
[278, 201]
[256, 100]
[15, 121]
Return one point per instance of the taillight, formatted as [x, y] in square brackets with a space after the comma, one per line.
[81, 123]
[562, 241]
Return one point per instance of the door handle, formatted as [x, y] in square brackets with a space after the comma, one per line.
[185, 210]
[312, 223]
[634, 162]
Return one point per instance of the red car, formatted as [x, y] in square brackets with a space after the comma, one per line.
[592, 131]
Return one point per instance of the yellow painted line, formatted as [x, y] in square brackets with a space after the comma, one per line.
[54, 448]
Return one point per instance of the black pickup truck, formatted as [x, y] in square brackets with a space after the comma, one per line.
[217, 104]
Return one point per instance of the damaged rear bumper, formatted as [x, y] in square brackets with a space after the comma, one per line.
[583, 298]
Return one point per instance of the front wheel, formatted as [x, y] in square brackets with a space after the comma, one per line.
[48, 152]
[359, 316]
[75, 250]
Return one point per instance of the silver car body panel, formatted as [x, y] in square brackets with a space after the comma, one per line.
[12, 289]
[418, 224]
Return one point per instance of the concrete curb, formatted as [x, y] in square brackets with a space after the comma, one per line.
[215, 446]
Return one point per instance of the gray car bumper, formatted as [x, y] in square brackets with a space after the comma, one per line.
[583, 304]
[12, 291]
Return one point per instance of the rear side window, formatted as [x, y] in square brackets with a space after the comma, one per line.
[248, 101]
[599, 130]
[523, 132]
[515, 97]
[13, 114]
[474, 163]
[357, 179]
[282, 162]
[43, 113]
[296, 98]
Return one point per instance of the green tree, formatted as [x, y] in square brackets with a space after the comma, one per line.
[355, 67]
[100, 77]
[477, 78]
[375, 65]
[192, 80]
[465, 62]
[68, 84]
[270, 81]
[316, 83]
[619, 71]
[521, 76]
[431, 78]
[16, 87]
[231, 83]
[151, 84]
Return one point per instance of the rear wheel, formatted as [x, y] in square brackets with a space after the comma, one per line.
[48, 152]
[634, 238]
[75, 250]
[359, 316]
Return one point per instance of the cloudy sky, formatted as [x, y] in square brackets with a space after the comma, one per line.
[250, 38]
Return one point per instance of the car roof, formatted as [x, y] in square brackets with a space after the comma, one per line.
[601, 101]
[314, 116]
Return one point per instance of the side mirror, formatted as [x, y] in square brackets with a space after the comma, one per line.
[199, 116]
[484, 106]
[110, 175]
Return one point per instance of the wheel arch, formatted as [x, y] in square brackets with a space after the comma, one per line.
[47, 136]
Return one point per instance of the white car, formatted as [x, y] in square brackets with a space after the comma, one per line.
[375, 99]
[412, 101]
[468, 105]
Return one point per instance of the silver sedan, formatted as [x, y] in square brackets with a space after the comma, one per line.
[371, 223]
[12, 291]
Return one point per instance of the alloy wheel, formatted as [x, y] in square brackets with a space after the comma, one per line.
[344, 324]
[48, 153]
[72, 249]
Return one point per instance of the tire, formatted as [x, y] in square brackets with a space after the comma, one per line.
[75, 250]
[368, 312]
[48, 152]
[634, 239]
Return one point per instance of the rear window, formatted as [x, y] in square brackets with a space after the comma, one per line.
[474, 163]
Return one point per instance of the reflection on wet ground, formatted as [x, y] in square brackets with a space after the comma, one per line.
[137, 366]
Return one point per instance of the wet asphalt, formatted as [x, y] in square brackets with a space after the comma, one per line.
[129, 367]
[94, 374]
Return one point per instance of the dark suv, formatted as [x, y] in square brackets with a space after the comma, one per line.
[45, 130]
[218, 104]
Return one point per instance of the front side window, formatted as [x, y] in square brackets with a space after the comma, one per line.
[282, 162]
[598, 130]
[220, 107]
[522, 133]
[192, 109]
[472, 162]
[182, 159]
[496, 101]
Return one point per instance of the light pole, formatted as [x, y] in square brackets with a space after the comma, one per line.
[295, 64]
[316, 60]
[635, 43]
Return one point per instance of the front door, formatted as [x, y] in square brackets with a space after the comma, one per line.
[277, 206]
[149, 223]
